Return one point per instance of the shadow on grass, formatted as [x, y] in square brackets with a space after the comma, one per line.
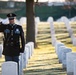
[66, 37]
[52, 71]
[44, 38]
[46, 53]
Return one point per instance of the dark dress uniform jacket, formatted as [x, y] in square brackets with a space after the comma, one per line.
[12, 46]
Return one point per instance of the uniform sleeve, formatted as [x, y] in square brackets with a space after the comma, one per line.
[22, 40]
[1, 27]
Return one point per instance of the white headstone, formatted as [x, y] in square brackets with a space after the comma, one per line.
[29, 49]
[36, 29]
[9, 68]
[37, 20]
[22, 20]
[57, 45]
[61, 48]
[53, 40]
[64, 51]
[32, 47]
[1, 49]
[50, 19]
[74, 40]
[25, 57]
[52, 30]
[17, 21]
[1, 19]
[70, 57]
[5, 21]
[74, 67]
[21, 64]
[73, 19]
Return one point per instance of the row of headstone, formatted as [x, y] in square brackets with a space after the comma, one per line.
[23, 61]
[65, 54]
[73, 19]
[29, 47]
[73, 38]
[69, 29]
[21, 21]
[66, 21]
[66, 57]
[60, 48]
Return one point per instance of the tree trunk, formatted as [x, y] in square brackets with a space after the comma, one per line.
[30, 28]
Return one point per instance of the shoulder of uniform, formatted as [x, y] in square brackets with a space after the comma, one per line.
[18, 25]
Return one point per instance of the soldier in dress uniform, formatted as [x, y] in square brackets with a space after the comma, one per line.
[13, 41]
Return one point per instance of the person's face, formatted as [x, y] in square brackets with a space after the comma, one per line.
[11, 21]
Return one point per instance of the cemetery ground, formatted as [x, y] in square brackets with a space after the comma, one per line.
[44, 60]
